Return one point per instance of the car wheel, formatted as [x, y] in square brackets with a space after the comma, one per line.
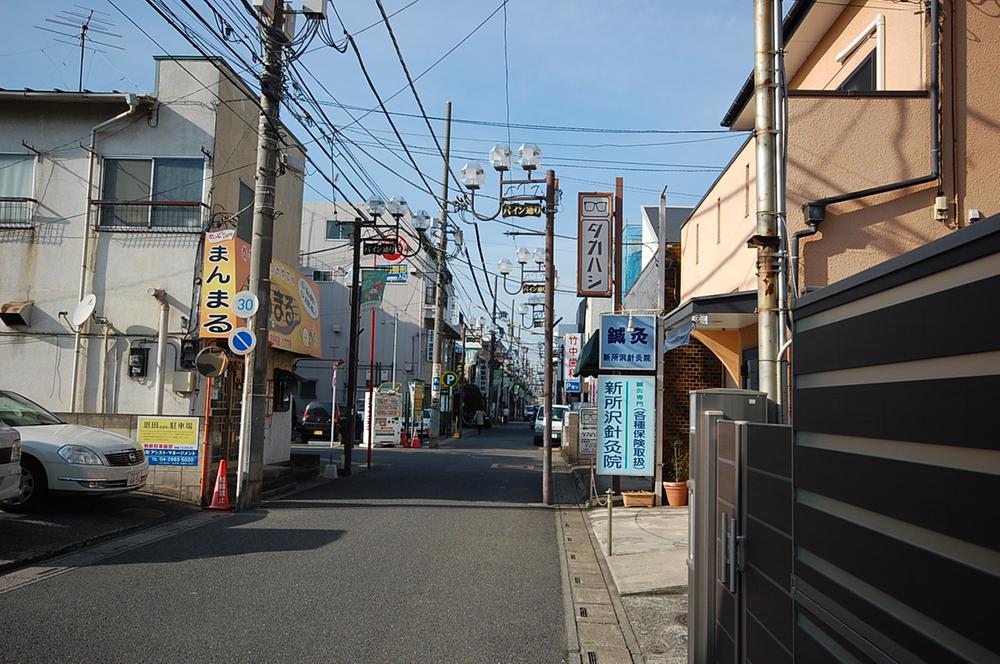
[34, 487]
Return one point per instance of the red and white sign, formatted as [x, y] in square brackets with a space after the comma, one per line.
[571, 344]
[401, 248]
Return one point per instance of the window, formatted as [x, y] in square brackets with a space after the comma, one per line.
[718, 220]
[746, 192]
[861, 79]
[307, 390]
[17, 179]
[322, 275]
[244, 224]
[132, 186]
[338, 230]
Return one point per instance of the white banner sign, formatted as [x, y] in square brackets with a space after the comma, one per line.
[594, 245]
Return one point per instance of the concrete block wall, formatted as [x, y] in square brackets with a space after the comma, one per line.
[181, 483]
[687, 368]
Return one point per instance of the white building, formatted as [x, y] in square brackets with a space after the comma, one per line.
[107, 197]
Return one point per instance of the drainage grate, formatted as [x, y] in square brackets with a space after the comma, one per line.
[569, 539]
[681, 619]
[577, 579]
[591, 657]
[572, 556]
[583, 612]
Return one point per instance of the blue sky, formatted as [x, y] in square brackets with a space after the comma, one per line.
[639, 64]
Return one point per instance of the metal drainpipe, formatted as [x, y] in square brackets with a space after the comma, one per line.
[133, 106]
[161, 349]
[815, 211]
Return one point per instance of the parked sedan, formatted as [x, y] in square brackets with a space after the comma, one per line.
[61, 458]
[10, 462]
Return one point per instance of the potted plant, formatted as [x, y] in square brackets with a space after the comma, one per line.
[676, 488]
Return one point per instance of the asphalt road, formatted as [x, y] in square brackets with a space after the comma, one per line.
[433, 556]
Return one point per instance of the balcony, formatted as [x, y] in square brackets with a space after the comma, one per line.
[150, 216]
[17, 212]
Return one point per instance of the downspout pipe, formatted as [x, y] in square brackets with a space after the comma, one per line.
[815, 211]
[133, 106]
[161, 349]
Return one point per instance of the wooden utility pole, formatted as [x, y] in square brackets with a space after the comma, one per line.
[250, 476]
[435, 434]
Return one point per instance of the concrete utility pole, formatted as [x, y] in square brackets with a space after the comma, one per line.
[550, 280]
[661, 387]
[435, 437]
[619, 291]
[250, 476]
[766, 238]
[350, 431]
[493, 349]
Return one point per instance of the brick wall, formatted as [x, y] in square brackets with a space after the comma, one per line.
[690, 367]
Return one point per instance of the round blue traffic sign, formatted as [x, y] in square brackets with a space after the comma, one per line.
[242, 340]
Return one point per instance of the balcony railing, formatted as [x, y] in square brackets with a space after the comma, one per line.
[17, 212]
[149, 215]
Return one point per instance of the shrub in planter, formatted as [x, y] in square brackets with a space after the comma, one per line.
[675, 488]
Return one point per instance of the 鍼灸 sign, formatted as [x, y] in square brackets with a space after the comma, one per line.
[628, 342]
[626, 413]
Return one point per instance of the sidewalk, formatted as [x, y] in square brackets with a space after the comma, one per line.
[648, 566]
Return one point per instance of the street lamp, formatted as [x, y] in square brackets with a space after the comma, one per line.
[500, 158]
[529, 157]
[473, 176]
[505, 267]
[420, 221]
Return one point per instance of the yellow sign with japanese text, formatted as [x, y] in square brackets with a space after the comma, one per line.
[224, 272]
[295, 325]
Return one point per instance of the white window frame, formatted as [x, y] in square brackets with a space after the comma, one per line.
[878, 27]
[31, 196]
[152, 178]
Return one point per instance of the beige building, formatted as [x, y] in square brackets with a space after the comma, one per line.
[859, 117]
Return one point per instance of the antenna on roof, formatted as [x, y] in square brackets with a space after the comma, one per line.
[86, 21]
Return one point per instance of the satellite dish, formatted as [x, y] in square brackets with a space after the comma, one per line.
[84, 310]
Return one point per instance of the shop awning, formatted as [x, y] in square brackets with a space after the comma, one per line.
[731, 311]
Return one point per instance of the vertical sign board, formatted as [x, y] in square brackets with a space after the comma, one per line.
[628, 342]
[594, 244]
[588, 430]
[571, 342]
[169, 441]
[626, 413]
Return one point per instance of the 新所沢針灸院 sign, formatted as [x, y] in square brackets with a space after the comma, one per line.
[169, 441]
[626, 413]
[628, 342]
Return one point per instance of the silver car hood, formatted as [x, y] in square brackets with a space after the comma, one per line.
[75, 434]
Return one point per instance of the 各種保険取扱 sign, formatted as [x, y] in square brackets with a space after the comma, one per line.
[169, 441]
[626, 413]
[628, 342]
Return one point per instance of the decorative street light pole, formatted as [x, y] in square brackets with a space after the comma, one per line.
[525, 204]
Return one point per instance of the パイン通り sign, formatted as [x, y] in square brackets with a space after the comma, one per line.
[626, 416]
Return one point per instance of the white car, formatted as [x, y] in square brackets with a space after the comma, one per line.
[10, 462]
[61, 458]
[557, 423]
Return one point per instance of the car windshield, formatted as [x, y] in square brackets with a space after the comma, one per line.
[559, 411]
[16, 411]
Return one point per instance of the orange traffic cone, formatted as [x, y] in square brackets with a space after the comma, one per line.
[415, 441]
[404, 440]
[220, 497]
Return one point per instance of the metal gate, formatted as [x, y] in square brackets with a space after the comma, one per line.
[753, 607]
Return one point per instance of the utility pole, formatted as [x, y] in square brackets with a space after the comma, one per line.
[250, 474]
[435, 437]
[550, 280]
[493, 350]
[661, 312]
[766, 238]
[616, 480]
[350, 431]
